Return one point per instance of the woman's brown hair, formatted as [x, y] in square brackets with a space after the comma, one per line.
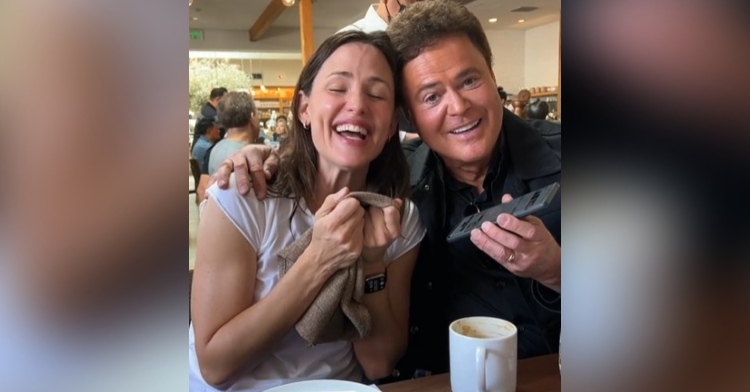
[388, 174]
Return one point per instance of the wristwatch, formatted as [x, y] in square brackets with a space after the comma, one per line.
[375, 283]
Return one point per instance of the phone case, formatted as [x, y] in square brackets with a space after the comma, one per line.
[528, 204]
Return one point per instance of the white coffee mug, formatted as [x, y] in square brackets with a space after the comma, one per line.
[483, 355]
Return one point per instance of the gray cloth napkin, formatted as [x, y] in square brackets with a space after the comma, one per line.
[337, 313]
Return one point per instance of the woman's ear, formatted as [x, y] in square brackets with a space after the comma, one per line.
[302, 114]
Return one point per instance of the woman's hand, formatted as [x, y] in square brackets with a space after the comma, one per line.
[338, 232]
[382, 227]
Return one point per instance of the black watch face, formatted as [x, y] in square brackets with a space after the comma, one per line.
[374, 284]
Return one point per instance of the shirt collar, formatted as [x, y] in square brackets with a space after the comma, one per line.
[372, 21]
[492, 171]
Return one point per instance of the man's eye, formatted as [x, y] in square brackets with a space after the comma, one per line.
[432, 98]
[470, 82]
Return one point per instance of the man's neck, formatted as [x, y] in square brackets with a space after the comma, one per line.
[469, 173]
[239, 134]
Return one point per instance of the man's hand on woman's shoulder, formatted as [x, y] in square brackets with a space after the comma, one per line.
[253, 166]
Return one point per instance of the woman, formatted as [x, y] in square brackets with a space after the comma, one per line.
[280, 131]
[243, 336]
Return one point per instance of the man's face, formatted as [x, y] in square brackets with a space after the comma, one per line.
[215, 101]
[213, 134]
[452, 99]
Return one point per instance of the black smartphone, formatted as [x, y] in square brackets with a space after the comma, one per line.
[528, 204]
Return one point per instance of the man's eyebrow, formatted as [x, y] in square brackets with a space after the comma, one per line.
[461, 75]
[425, 87]
[467, 72]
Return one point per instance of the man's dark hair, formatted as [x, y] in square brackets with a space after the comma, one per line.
[503, 94]
[204, 124]
[217, 92]
[537, 110]
[425, 23]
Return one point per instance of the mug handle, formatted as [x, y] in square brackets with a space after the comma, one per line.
[481, 379]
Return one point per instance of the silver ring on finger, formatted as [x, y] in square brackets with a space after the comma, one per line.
[511, 257]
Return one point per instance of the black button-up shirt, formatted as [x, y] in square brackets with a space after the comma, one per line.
[480, 285]
[448, 283]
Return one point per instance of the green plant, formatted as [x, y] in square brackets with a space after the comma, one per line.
[206, 74]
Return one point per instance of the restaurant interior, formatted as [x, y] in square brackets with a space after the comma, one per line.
[261, 46]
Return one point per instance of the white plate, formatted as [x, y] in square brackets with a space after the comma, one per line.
[323, 386]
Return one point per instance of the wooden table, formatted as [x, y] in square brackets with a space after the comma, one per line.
[539, 374]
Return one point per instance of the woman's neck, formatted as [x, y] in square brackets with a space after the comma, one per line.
[331, 180]
[239, 134]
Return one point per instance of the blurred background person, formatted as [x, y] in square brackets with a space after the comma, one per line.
[520, 103]
[537, 110]
[208, 133]
[503, 95]
[280, 131]
[240, 118]
[209, 110]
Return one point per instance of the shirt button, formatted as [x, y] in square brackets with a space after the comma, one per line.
[521, 328]
[429, 285]
[427, 187]
[396, 373]
[499, 284]
[414, 329]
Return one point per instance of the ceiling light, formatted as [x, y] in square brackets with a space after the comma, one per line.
[190, 2]
[493, 20]
[194, 18]
[521, 20]
[287, 3]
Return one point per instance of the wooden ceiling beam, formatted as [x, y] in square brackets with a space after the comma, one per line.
[270, 14]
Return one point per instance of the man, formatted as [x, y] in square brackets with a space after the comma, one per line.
[472, 155]
[209, 110]
[537, 110]
[208, 134]
[377, 18]
[240, 117]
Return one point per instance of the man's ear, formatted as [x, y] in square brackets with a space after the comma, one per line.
[302, 114]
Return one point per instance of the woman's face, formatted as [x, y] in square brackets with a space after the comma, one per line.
[281, 127]
[350, 109]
